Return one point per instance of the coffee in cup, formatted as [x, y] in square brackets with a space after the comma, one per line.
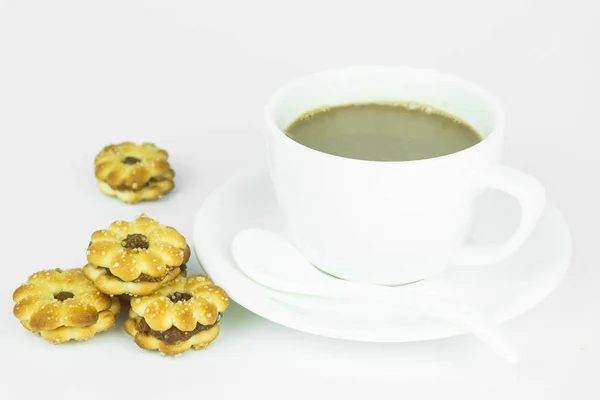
[383, 131]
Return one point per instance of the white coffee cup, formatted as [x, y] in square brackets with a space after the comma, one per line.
[392, 222]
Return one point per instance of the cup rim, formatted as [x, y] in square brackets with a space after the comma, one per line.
[495, 106]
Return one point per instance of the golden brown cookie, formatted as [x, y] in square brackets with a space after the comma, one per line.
[133, 172]
[181, 315]
[63, 305]
[135, 258]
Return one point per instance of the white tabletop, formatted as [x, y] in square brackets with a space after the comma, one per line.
[193, 77]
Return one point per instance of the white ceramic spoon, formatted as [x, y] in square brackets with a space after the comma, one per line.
[272, 261]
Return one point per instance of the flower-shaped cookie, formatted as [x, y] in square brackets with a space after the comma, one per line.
[133, 172]
[181, 315]
[135, 257]
[63, 305]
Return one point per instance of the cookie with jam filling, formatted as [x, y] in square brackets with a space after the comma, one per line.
[135, 258]
[182, 315]
[63, 305]
[134, 173]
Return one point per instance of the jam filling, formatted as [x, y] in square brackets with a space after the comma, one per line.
[171, 335]
[178, 296]
[131, 160]
[135, 241]
[147, 278]
[62, 296]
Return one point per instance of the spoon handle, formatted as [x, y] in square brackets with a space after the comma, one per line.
[483, 326]
[459, 313]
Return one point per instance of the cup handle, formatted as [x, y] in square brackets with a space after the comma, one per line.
[531, 196]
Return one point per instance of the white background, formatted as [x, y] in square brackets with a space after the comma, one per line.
[193, 76]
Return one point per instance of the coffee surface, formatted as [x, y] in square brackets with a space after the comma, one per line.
[383, 132]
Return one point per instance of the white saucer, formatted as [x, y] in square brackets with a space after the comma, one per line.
[505, 290]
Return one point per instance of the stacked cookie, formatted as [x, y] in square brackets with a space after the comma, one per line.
[135, 258]
[181, 315]
[133, 173]
[141, 260]
[63, 305]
